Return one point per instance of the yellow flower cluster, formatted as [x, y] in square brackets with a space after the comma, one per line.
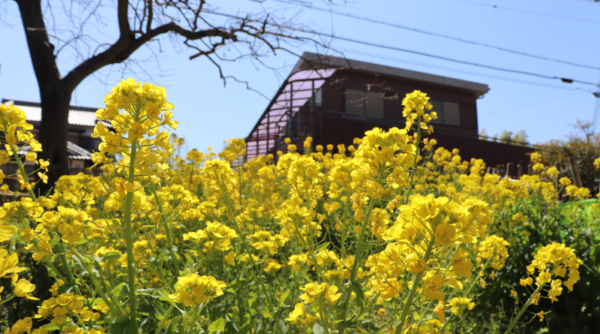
[65, 307]
[332, 239]
[17, 131]
[136, 131]
[460, 303]
[300, 316]
[416, 105]
[494, 249]
[320, 292]
[555, 260]
[215, 236]
[193, 289]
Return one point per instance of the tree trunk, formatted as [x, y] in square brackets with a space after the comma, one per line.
[55, 95]
[53, 134]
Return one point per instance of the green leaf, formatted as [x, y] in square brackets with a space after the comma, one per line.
[78, 264]
[165, 297]
[324, 245]
[147, 308]
[55, 240]
[188, 258]
[97, 301]
[217, 326]
[252, 300]
[173, 325]
[111, 256]
[317, 329]
[284, 297]
[357, 288]
[50, 327]
[246, 329]
[282, 326]
[117, 291]
[82, 241]
[120, 325]
[67, 287]
[369, 326]
[266, 313]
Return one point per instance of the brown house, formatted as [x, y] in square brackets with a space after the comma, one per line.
[335, 100]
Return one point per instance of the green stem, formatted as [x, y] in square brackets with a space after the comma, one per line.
[113, 309]
[168, 229]
[324, 317]
[344, 222]
[7, 300]
[63, 258]
[129, 239]
[524, 308]
[357, 258]
[22, 170]
[51, 265]
[467, 293]
[415, 161]
[413, 291]
[162, 322]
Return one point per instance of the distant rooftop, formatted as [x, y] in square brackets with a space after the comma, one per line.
[316, 61]
[83, 116]
[75, 152]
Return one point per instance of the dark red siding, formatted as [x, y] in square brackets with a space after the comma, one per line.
[343, 131]
[395, 90]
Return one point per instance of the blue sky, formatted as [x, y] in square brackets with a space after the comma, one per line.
[208, 112]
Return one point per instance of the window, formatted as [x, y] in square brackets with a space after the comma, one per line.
[448, 112]
[363, 103]
[318, 98]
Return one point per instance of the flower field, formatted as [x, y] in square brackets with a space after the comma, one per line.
[389, 235]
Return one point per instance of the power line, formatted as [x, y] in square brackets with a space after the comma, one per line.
[389, 47]
[530, 12]
[452, 69]
[395, 25]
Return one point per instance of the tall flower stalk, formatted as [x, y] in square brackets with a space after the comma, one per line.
[136, 112]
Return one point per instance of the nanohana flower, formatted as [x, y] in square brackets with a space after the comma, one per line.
[9, 264]
[461, 263]
[23, 288]
[541, 315]
[422, 213]
[300, 316]
[194, 289]
[314, 291]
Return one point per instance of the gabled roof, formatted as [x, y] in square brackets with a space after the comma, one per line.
[311, 60]
[74, 152]
[309, 74]
[83, 116]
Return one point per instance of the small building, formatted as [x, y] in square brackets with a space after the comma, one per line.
[334, 100]
[80, 144]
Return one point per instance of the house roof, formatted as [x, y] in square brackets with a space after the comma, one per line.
[83, 116]
[309, 74]
[311, 60]
[74, 152]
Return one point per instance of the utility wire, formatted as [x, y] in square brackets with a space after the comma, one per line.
[394, 48]
[389, 47]
[395, 25]
[530, 12]
[452, 69]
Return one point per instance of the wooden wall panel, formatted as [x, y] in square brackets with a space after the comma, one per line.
[468, 116]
